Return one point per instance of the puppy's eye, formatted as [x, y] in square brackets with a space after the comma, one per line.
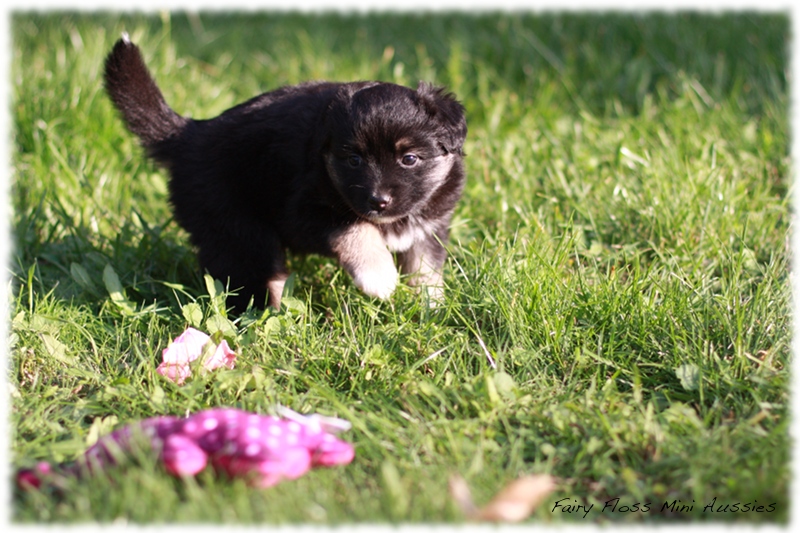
[409, 160]
[354, 161]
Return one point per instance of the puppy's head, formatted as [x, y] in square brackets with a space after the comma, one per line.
[389, 148]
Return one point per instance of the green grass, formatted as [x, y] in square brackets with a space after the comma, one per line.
[618, 304]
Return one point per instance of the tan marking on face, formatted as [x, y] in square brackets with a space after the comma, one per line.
[403, 144]
[438, 174]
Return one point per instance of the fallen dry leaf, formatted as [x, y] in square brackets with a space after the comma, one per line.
[517, 501]
[459, 491]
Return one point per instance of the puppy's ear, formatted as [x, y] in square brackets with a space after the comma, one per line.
[444, 108]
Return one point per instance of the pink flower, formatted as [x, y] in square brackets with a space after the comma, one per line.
[186, 348]
[174, 373]
[223, 356]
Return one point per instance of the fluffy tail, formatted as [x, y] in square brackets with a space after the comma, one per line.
[136, 95]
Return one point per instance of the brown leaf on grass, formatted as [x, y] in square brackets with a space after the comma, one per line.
[517, 501]
[459, 491]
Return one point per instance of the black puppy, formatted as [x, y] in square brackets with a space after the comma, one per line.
[351, 170]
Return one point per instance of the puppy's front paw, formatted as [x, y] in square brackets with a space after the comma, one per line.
[378, 277]
[363, 253]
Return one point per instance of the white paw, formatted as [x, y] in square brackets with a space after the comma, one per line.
[377, 277]
[362, 251]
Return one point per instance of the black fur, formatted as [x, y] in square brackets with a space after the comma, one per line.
[339, 169]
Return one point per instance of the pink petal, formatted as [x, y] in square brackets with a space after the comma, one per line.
[193, 339]
[187, 347]
[223, 356]
[174, 372]
[177, 354]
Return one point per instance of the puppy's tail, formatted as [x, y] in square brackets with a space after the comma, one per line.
[136, 95]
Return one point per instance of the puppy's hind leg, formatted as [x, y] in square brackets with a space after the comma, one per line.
[253, 268]
[362, 252]
[266, 289]
[275, 289]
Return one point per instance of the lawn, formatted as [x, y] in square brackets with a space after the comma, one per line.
[617, 309]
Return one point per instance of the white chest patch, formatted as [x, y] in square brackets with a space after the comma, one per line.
[401, 239]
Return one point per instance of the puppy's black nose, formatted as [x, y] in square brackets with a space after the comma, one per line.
[379, 202]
